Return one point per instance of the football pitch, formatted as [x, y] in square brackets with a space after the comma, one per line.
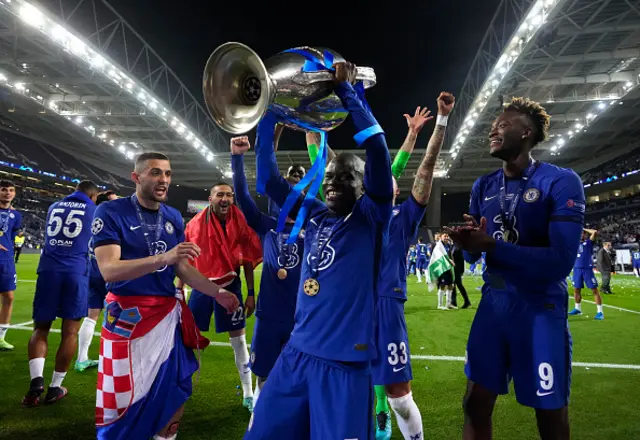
[605, 392]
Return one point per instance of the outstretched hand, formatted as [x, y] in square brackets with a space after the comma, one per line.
[240, 145]
[419, 118]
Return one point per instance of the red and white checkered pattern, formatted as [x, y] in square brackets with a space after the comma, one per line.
[115, 382]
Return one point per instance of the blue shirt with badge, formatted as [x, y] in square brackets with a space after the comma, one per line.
[403, 228]
[636, 256]
[422, 251]
[117, 222]
[536, 253]
[413, 254]
[278, 297]
[585, 255]
[10, 222]
[66, 240]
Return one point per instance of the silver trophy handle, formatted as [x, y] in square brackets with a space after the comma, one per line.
[364, 74]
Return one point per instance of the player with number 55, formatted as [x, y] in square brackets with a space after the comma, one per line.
[61, 289]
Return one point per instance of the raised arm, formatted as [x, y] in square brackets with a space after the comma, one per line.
[377, 177]
[423, 181]
[565, 229]
[239, 146]
[415, 124]
[592, 233]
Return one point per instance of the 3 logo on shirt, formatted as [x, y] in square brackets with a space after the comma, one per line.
[514, 235]
[292, 260]
[327, 257]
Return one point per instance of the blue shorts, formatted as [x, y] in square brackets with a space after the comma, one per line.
[97, 293]
[203, 306]
[307, 397]
[60, 294]
[636, 264]
[269, 336]
[524, 338]
[584, 277]
[411, 267]
[393, 364]
[8, 276]
[422, 264]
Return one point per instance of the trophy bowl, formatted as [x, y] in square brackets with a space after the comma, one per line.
[239, 87]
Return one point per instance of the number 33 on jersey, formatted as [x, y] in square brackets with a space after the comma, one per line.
[67, 235]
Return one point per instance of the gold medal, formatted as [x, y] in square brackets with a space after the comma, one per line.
[1, 233]
[505, 236]
[311, 287]
[282, 273]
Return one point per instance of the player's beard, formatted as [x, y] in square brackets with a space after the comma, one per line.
[149, 192]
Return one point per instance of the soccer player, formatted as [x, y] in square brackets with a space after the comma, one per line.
[528, 218]
[320, 386]
[280, 273]
[97, 294]
[423, 262]
[635, 255]
[228, 243]
[18, 243]
[446, 279]
[148, 337]
[412, 256]
[10, 221]
[583, 275]
[392, 366]
[61, 288]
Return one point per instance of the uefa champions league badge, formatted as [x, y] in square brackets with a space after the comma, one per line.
[12, 215]
[531, 195]
[97, 225]
[169, 228]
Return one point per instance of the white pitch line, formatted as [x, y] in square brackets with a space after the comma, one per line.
[420, 357]
[27, 281]
[614, 307]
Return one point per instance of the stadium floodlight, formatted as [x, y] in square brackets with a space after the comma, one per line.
[532, 23]
[80, 48]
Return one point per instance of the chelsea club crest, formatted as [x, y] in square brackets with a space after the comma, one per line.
[531, 195]
[168, 227]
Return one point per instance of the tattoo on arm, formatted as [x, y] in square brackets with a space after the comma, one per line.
[424, 176]
[409, 142]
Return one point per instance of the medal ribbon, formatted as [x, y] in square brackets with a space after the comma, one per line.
[507, 215]
[145, 227]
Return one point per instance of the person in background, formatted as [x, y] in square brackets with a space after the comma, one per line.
[604, 264]
[458, 270]
[18, 244]
[583, 274]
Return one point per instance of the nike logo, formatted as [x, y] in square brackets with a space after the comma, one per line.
[133, 228]
[540, 394]
[489, 198]
[395, 370]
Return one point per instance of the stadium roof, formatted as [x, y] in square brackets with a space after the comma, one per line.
[580, 59]
[77, 76]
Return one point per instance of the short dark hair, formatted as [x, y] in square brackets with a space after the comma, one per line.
[87, 187]
[221, 183]
[143, 158]
[535, 112]
[104, 196]
[419, 239]
[6, 184]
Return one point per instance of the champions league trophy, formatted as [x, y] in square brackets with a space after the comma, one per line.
[296, 85]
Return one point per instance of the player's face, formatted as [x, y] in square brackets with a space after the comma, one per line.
[295, 174]
[342, 184]
[221, 199]
[154, 180]
[7, 194]
[506, 135]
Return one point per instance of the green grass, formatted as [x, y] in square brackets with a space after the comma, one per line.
[604, 403]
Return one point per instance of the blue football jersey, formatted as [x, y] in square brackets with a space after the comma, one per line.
[552, 195]
[405, 219]
[585, 255]
[636, 256]
[10, 222]
[413, 254]
[117, 222]
[66, 239]
[422, 251]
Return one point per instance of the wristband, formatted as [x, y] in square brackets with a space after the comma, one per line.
[250, 292]
[442, 120]
[400, 163]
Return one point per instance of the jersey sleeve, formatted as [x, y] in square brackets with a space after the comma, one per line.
[16, 225]
[376, 202]
[180, 236]
[105, 227]
[243, 197]
[565, 231]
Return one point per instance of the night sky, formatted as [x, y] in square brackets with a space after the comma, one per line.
[417, 48]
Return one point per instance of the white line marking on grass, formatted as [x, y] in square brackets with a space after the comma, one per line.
[22, 324]
[27, 281]
[614, 307]
[417, 357]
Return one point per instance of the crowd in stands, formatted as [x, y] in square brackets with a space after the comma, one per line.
[614, 168]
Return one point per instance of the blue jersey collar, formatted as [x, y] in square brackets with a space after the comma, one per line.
[80, 195]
